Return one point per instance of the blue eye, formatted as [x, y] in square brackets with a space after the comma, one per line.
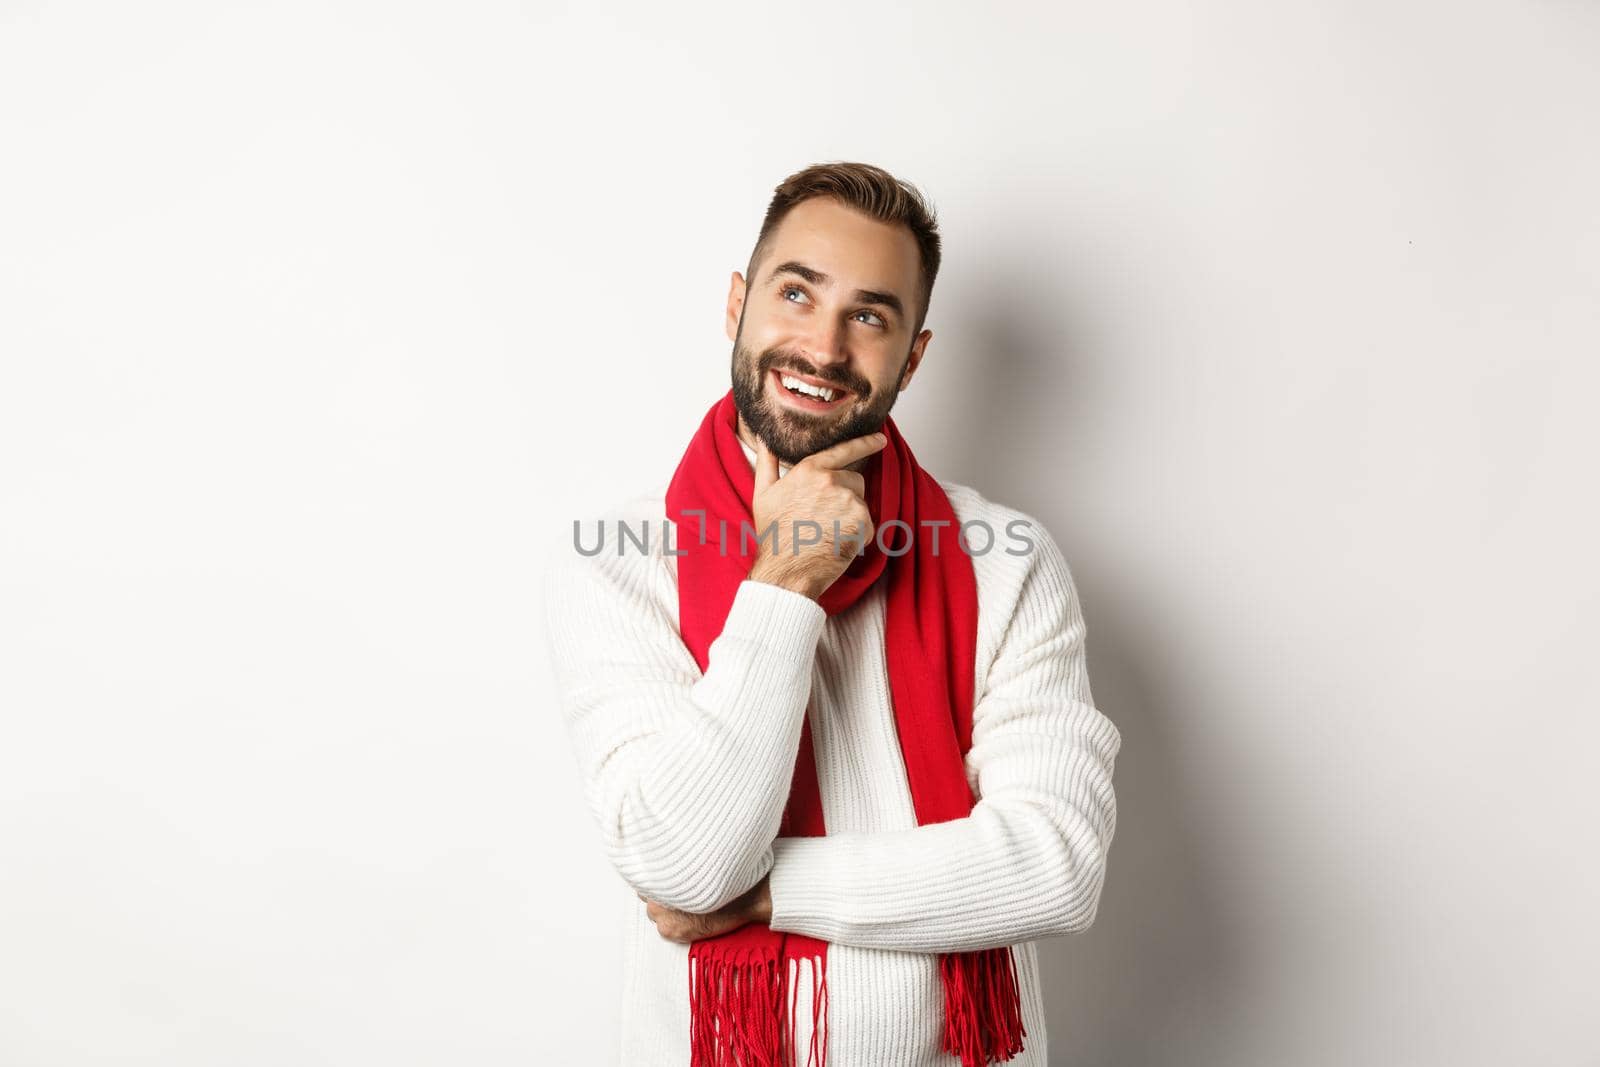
[875, 315]
[786, 290]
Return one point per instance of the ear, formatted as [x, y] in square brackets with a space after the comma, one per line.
[914, 361]
[735, 305]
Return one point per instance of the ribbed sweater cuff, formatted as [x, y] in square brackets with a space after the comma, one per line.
[777, 617]
[761, 663]
[804, 885]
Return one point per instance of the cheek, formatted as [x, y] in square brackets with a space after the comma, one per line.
[885, 376]
[766, 330]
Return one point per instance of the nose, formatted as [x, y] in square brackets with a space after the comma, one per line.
[824, 345]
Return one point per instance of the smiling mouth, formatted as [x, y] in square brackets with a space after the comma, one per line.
[808, 401]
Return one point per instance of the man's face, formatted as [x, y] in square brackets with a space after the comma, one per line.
[832, 302]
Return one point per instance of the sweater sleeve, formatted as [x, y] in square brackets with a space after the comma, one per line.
[1029, 860]
[686, 774]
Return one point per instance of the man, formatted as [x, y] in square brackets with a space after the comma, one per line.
[851, 776]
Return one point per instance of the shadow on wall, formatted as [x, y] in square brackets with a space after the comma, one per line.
[1130, 989]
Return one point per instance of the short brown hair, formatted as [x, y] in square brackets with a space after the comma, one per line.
[870, 190]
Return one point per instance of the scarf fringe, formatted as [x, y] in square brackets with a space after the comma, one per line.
[982, 1006]
[736, 1008]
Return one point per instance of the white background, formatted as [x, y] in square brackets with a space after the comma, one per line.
[320, 324]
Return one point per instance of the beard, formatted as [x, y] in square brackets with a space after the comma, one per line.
[792, 434]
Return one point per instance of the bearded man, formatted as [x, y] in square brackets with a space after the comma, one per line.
[837, 731]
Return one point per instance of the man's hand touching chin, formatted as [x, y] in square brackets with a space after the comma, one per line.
[684, 927]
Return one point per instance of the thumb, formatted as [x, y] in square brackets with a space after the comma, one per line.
[766, 465]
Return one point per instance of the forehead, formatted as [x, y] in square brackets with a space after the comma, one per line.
[857, 251]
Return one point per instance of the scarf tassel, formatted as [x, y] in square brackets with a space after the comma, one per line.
[982, 1006]
[736, 1009]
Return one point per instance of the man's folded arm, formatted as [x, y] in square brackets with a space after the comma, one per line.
[686, 774]
[1029, 860]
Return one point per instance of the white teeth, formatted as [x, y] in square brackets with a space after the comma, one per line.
[819, 391]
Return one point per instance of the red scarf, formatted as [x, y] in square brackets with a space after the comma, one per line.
[739, 986]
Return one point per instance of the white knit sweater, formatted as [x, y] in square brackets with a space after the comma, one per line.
[688, 774]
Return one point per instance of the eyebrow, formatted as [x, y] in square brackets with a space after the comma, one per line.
[816, 277]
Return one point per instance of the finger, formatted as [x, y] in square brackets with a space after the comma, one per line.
[854, 481]
[847, 452]
[766, 465]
